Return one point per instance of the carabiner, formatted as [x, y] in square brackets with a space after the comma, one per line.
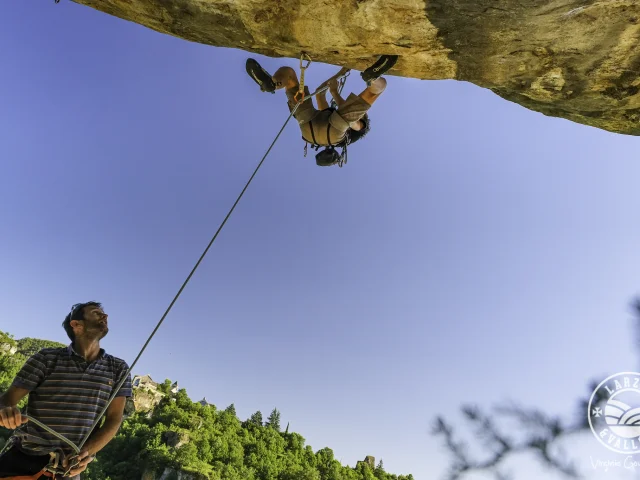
[303, 67]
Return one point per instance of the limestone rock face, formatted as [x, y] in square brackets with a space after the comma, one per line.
[8, 348]
[575, 59]
[175, 439]
[371, 461]
[145, 400]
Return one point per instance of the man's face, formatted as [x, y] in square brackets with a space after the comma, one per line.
[95, 322]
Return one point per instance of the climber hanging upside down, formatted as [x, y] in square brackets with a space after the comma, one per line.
[326, 127]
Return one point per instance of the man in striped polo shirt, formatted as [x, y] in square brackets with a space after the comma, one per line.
[68, 388]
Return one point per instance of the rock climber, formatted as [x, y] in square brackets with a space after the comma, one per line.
[325, 126]
[67, 389]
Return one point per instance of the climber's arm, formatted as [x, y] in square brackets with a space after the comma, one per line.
[334, 87]
[321, 98]
[336, 96]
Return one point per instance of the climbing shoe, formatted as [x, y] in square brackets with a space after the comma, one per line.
[382, 66]
[260, 76]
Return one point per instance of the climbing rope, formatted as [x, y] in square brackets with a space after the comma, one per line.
[55, 465]
[52, 432]
[78, 448]
[184, 284]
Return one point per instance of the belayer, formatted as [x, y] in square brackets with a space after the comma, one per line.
[67, 388]
[326, 126]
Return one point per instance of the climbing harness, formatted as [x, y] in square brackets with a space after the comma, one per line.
[54, 468]
[299, 96]
[329, 156]
[78, 448]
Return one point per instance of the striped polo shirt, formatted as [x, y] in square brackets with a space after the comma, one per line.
[66, 393]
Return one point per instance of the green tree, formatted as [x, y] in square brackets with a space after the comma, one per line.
[9, 366]
[165, 386]
[213, 445]
[300, 473]
[7, 338]
[274, 420]
[256, 418]
[28, 346]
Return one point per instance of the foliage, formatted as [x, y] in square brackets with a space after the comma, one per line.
[28, 346]
[10, 365]
[208, 443]
[219, 446]
[274, 420]
[535, 432]
[7, 338]
[256, 418]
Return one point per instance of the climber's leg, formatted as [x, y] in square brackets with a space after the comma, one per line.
[260, 76]
[382, 66]
[373, 91]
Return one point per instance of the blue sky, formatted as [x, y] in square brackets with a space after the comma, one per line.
[471, 250]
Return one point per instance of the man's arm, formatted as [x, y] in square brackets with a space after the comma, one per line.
[112, 421]
[27, 379]
[101, 436]
[10, 416]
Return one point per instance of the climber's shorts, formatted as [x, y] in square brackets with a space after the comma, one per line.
[353, 108]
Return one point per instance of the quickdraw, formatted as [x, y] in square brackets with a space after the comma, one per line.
[343, 80]
[299, 96]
